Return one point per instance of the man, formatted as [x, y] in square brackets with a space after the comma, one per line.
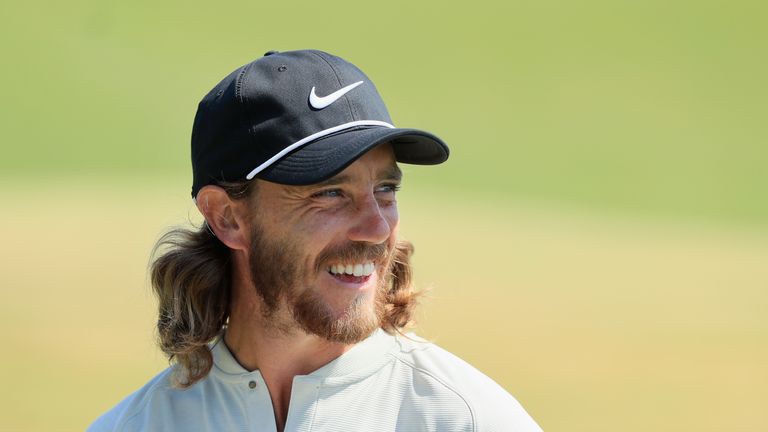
[285, 311]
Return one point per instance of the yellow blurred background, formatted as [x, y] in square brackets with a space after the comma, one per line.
[597, 243]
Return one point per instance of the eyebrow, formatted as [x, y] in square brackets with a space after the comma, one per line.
[390, 173]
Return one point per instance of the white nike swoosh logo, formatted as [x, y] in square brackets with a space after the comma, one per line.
[318, 102]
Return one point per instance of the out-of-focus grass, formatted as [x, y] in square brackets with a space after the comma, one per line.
[602, 324]
[594, 323]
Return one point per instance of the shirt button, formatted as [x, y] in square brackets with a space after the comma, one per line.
[252, 384]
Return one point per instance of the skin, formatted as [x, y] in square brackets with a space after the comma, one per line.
[356, 206]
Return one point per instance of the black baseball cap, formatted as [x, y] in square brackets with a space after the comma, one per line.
[297, 118]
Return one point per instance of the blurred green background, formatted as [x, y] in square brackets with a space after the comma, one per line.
[597, 243]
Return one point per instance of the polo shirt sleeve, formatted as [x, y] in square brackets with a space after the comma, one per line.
[110, 420]
[490, 406]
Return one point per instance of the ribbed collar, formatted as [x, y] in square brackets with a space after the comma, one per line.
[360, 361]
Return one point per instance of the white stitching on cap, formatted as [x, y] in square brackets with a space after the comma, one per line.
[313, 137]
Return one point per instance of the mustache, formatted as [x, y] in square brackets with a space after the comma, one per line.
[353, 252]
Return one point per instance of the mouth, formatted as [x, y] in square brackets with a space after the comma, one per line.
[356, 273]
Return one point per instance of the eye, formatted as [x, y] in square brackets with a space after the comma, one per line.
[328, 193]
[388, 188]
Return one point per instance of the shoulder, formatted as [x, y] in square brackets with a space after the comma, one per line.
[123, 414]
[492, 407]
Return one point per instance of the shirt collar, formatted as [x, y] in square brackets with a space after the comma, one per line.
[225, 361]
[364, 358]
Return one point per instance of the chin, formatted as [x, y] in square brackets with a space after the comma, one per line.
[355, 322]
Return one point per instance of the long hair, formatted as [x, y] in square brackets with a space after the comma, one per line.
[191, 274]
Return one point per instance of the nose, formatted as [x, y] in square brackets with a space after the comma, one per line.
[372, 222]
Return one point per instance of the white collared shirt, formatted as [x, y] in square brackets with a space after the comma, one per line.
[384, 383]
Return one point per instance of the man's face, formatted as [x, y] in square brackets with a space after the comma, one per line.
[321, 255]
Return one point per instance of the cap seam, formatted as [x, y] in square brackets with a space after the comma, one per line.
[352, 111]
[243, 81]
[239, 82]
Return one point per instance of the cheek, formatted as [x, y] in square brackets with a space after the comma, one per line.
[314, 236]
[392, 217]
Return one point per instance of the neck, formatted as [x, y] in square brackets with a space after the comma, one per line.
[279, 352]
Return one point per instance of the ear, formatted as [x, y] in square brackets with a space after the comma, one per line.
[223, 215]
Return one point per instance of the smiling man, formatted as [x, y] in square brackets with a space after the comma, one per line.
[286, 309]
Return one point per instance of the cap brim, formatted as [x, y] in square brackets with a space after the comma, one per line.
[322, 159]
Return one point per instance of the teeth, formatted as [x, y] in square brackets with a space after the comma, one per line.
[359, 269]
[368, 269]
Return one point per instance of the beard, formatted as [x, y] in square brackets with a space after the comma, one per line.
[277, 270]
